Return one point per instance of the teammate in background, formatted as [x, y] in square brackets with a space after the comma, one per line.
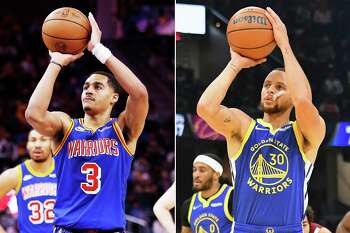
[162, 209]
[271, 158]
[344, 225]
[35, 185]
[308, 224]
[209, 209]
[93, 154]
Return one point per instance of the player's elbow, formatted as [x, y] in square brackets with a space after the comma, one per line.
[203, 109]
[156, 209]
[32, 115]
[141, 94]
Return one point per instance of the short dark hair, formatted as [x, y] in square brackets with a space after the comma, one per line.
[112, 82]
[310, 214]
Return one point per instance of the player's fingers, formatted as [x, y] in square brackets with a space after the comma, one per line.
[79, 55]
[261, 60]
[271, 19]
[92, 20]
[274, 15]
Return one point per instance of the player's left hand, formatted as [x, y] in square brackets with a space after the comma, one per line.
[279, 29]
[95, 33]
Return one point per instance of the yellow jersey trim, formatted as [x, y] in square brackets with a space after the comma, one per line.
[226, 203]
[121, 137]
[190, 207]
[298, 136]
[19, 179]
[81, 121]
[245, 139]
[39, 174]
[268, 125]
[206, 203]
[64, 138]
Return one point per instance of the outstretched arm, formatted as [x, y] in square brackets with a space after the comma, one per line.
[209, 107]
[137, 103]
[162, 209]
[306, 113]
[37, 114]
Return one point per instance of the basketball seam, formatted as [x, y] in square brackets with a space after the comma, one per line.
[244, 29]
[61, 38]
[69, 21]
[78, 49]
[77, 11]
[254, 12]
[255, 47]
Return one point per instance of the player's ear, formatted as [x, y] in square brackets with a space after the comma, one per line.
[115, 98]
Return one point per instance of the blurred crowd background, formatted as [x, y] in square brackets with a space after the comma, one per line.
[141, 34]
[319, 37]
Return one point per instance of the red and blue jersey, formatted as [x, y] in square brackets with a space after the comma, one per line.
[36, 196]
[92, 171]
[270, 173]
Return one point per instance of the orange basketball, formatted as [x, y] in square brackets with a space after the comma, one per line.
[66, 30]
[249, 33]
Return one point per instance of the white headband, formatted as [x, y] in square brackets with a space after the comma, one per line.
[215, 165]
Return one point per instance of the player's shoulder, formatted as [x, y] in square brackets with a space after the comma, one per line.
[11, 173]
[64, 117]
[244, 120]
[240, 114]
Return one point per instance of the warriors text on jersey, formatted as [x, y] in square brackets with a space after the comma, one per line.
[270, 173]
[36, 196]
[211, 215]
[92, 171]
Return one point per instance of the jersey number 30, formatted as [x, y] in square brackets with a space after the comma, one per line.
[41, 212]
[93, 178]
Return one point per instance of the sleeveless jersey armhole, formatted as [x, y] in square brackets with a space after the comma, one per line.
[19, 179]
[64, 138]
[245, 139]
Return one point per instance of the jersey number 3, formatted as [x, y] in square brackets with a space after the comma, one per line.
[93, 178]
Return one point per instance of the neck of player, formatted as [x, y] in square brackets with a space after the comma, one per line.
[213, 189]
[96, 121]
[277, 120]
[41, 167]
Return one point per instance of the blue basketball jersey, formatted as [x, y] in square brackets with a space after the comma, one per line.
[211, 215]
[92, 172]
[36, 196]
[270, 173]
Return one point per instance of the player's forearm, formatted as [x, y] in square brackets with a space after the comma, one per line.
[209, 102]
[41, 97]
[127, 79]
[165, 219]
[297, 81]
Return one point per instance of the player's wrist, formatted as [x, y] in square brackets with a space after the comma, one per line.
[101, 52]
[234, 66]
[56, 63]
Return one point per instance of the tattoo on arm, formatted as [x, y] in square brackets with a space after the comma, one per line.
[227, 120]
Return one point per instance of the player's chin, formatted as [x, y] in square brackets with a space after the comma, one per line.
[39, 159]
[87, 108]
[197, 186]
